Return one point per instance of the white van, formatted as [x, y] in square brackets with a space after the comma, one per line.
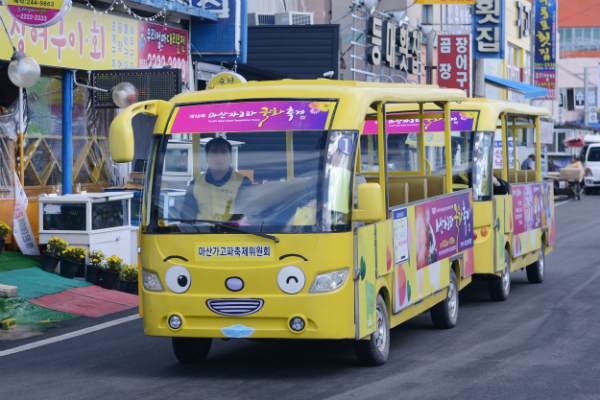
[590, 158]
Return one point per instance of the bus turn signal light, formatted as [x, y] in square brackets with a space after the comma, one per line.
[484, 231]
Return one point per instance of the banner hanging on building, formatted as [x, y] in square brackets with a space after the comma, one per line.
[454, 62]
[21, 227]
[85, 40]
[545, 47]
[488, 29]
[37, 14]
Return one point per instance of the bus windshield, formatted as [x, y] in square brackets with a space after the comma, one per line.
[258, 182]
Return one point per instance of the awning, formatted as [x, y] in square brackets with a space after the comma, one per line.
[529, 91]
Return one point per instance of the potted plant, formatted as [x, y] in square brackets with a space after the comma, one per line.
[94, 268]
[73, 257]
[128, 279]
[112, 269]
[53, 253]
[4, 232]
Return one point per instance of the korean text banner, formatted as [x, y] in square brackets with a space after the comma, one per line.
[488, 29]
[81, 40]
[545, 46]
[454, 62]
[37, 13]
[252, 116]
[443, 228]
[162, 45]
[461, 121]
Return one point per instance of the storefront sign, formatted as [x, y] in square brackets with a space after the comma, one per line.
[545, 47]
[523, 20]
[488, 29]
[163, 45]
[461, 121]
[88, 41]
[37, 13]
[454, 62]
[255, 116]
[392, 45]
[498, 158]
[220, 37]
[21, 228]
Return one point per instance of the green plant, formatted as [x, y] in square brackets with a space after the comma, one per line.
[56, 246]
[129, 272]
[74, 254]
[5, 230]
[114, 264]
[96, 258]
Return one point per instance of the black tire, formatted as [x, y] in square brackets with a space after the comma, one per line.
[376, 350]
[536, 271]
[191, 350]
[445, 314]
[499, 286]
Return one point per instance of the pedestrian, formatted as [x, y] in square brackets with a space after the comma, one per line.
[529, 163]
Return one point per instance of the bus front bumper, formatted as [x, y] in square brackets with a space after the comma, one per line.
[325, 316]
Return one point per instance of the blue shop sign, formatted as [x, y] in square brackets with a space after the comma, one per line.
[488, 29]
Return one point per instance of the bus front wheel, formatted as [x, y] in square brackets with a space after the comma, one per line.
[191, 350]
[376, 350]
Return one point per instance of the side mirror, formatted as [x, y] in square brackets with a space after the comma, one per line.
[370, 204]
[120, 137]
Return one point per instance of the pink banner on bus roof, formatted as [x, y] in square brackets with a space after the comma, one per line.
[461, 121]
[253, 116]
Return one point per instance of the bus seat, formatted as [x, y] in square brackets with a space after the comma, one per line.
[531, 176]
[417, 186]
[522, 176]
[499, 173]
[436, 185]
[398, 192]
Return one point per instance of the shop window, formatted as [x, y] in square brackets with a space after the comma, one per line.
[560, 138]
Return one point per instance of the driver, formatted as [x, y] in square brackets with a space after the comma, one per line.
[212, 194]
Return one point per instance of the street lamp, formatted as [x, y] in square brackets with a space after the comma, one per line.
[23, 70]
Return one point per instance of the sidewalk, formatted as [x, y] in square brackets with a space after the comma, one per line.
[45, 299]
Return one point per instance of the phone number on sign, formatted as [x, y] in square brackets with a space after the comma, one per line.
[33, 3]
[158, 61]
[34, 17]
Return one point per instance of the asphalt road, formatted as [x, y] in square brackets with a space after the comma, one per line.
[542, 343]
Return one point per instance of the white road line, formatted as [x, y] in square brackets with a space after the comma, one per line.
[561, 203]
[68, 335]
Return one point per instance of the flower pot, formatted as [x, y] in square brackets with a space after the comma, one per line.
[2, 241]
[68, 269]
[94, 274]
[128, 286]
[80, 271]
[110, 279]
[50, 262]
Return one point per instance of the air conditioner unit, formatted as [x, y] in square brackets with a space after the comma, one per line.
[294, 18]
[255, 19]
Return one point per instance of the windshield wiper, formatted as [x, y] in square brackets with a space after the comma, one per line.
[225, 225]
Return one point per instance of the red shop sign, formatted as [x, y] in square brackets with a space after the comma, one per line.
[454, 62]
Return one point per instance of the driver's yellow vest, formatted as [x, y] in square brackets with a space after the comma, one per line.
[215, 202]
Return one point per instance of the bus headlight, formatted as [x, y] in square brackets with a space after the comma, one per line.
[329, 281]
[151, 281]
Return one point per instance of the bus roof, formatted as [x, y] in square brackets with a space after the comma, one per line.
[354, 97]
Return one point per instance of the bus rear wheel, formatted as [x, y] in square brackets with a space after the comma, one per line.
[191, 350]
[499, 286]
[535, 271]
[376, 350]
[445, 314]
